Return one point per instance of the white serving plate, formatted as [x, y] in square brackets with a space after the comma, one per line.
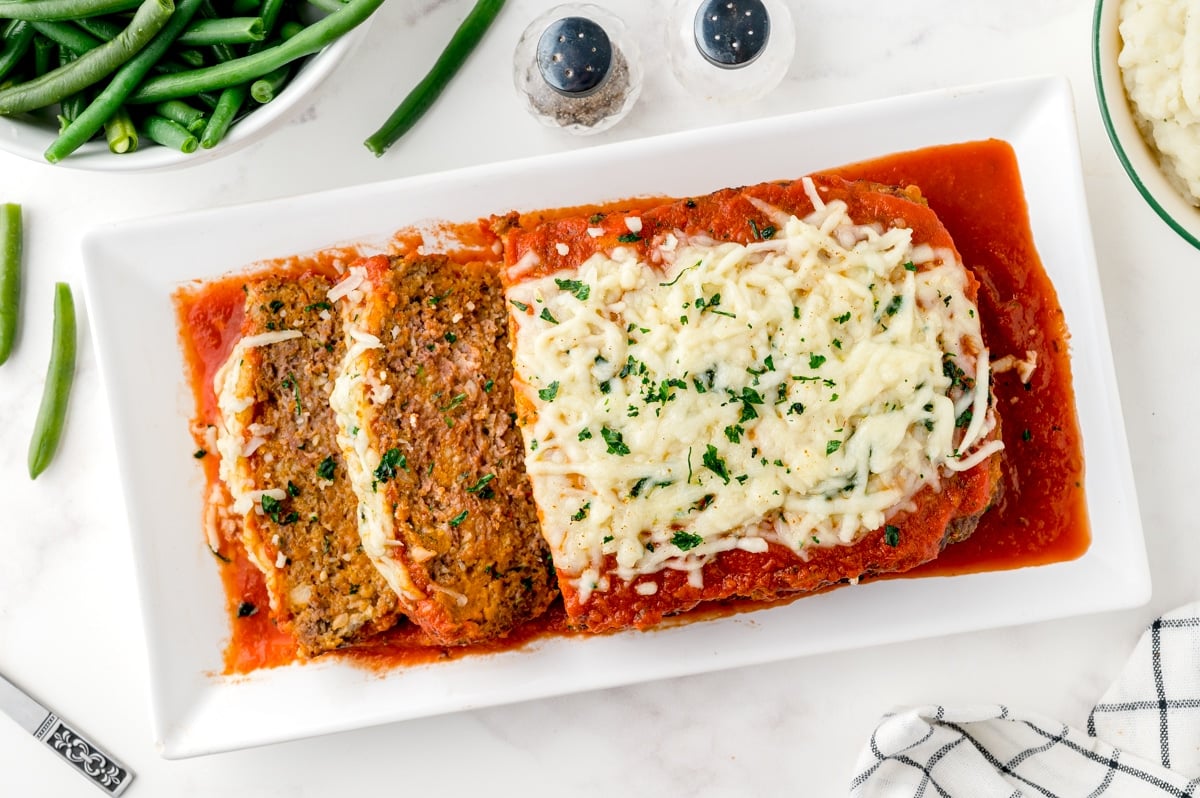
[129, 286]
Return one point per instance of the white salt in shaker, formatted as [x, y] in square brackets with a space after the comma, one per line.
[577, 68]
[730, 50]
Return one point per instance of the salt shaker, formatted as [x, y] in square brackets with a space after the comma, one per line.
[730, 50]
[577, 68]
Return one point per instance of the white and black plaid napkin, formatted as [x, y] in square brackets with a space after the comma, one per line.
[1152, 712]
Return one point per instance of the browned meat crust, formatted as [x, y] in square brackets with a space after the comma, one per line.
[445, 452]
[324, 589]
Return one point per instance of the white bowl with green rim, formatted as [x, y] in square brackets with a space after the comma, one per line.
[1136, 155]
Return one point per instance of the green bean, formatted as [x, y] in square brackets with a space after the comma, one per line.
[169, 133]
[151, 16]
[120, 132]
[249, 67]
[52, 414]
[265, 88]
[16, 44]
[244, 7]
[67, 35]
[223, 114]
[289, 29]
[43, 50]
[62, 9]
[104, 29]
[423, 95]
[231, 30]
[123, 82]
[72, 106]
[10, 276]
[178, 111]
[327, 5]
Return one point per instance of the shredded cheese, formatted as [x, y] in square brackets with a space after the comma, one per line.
[796, 391]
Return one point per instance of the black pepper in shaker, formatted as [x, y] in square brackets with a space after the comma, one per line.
[577, 69]
[730, 50]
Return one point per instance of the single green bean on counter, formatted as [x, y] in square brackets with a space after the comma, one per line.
[52, 413]
[11, 236]
[423, 95]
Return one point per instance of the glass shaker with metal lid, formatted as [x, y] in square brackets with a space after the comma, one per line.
[577, 68]
[731, 50]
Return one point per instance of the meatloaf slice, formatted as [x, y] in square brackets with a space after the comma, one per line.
[281, 462]
[425, 410]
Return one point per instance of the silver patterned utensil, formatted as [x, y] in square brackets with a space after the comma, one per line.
[85, 756]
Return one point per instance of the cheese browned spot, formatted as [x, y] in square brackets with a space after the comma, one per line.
[697, 396]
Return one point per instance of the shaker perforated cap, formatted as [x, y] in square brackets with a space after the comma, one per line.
[732, 33]
[574, 56]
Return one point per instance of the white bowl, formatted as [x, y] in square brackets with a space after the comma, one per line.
[1139, 160]
[30, 140]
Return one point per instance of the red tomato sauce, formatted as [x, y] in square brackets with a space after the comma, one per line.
[974, 188]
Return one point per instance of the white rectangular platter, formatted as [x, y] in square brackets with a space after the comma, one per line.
[129, 287]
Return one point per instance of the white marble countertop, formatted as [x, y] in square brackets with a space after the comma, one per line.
[70, 629]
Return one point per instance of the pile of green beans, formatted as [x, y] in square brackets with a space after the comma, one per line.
[179, 73]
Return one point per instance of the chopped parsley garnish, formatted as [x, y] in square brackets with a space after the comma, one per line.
[629, 238]
[327, 468]
[479, 486]
[246, 609]
[585, 434]
[815, 361]
[391, 460]
[796, 409]
[616, 444]
[891, 535]
[734, 433]
[964, 419]
[548, 393]
[910, 266]
[715, 464]
[521, 306]
[681, 271]
[450, 337]
[580, 289]
[582, 513]
[276, 305]
[270, 504]
[832, 447]
[455, 402]
[596, 218]
[200, 453]
[685, 541]
[893, 305]
[458, 519]
[769, 363]
[636, 490]
[546, 315]
[292, 489]
[289, 383]
[487, 386]
[318, 306]
[842, 319]
[1026, 435]
[837, 343]
[434, 300]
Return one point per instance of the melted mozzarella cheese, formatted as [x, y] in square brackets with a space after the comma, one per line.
[798, 390]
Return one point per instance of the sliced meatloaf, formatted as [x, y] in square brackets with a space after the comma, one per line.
[425, 411]
[281, 462]
[765, 390]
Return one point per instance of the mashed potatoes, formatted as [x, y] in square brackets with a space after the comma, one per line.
[1160, 66]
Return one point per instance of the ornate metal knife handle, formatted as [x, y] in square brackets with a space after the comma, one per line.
[105, 772]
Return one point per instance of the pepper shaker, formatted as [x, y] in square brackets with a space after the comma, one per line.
[731, 50]
[577, 68]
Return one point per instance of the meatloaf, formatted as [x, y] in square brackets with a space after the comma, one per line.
[281, 462]
[425, 409]
[761, 391]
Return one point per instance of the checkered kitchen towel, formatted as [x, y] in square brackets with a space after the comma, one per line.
[1142, 739]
